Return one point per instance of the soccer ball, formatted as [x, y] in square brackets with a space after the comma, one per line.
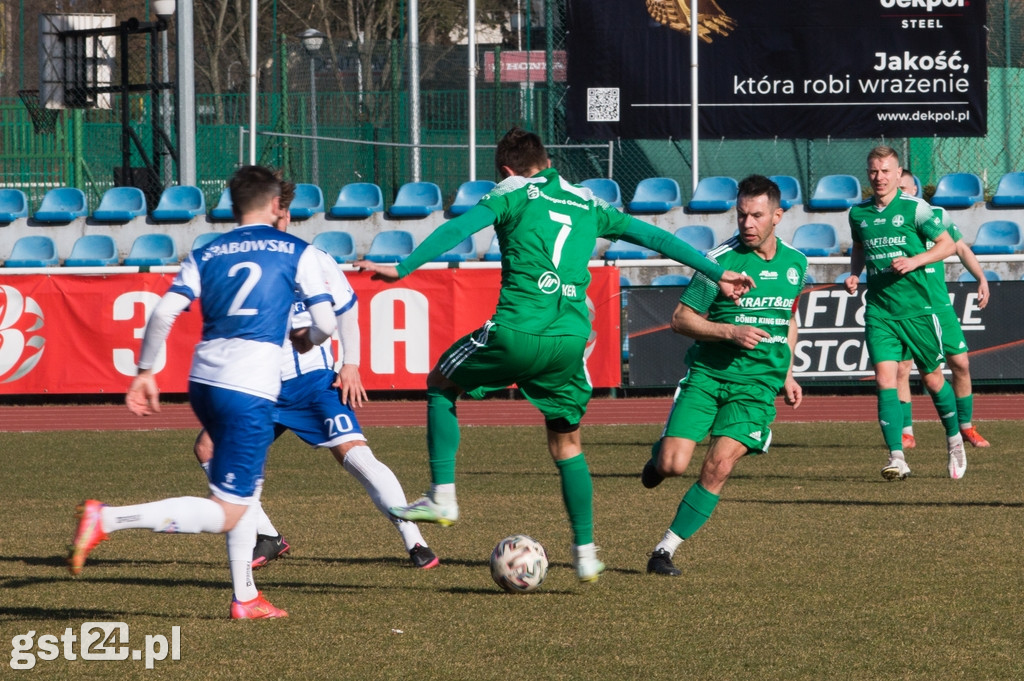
[519, 564]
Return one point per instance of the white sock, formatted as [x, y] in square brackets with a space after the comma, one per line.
[955, 439]
[908, 430]
[670, 542]
[241, 540]
[896, 454]
[263, 524]
[585, 551]
[187, 515]
[966, 426]
[443, 494]
[385, 491]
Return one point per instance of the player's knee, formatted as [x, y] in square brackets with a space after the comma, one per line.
[561, 425]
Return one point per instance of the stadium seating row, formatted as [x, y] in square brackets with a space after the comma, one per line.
[182, 203]
[98, 250]
[360, 200]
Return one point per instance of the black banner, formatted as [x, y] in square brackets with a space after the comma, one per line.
[778, 68]
[830, 347]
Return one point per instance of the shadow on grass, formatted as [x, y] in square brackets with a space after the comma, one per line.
[865, 502]
[90, 614]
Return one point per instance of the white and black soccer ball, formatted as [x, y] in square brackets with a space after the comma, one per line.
[519, 564]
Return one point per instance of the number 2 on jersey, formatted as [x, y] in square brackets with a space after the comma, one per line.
[251, 279]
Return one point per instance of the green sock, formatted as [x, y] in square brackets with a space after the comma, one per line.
[945, 404]
[965, 408]
[694, 510]
[890, 418]
[442, 434]
[578, 495]
[908, 414]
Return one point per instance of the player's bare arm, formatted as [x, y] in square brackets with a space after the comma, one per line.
[143, 397]
[970, 262]
[791, 390]
[735, 284]
[388, 273]
[688, 322]
[943, 248]
[856, 267]
[350, 383]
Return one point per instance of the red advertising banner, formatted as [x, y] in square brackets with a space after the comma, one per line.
[75, 334]
[521, 66]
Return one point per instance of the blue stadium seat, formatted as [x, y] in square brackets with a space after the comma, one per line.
[835, 192]
[180, 203]
[656, 195]
[701, 237]
[808, 279]
[469, 194]
[338, 245]
[33, 251]
[841, 279]
[390, 246]
[120, 204]
[967, 276]
[998, 237]
[670, 280]
[152, 249]
[605, 188]
[958, 190]
[493, 252]
[62, 204]
[203, 239]
[308, 201]
[623, 250]
[358, 200]
[1009, 193]
[714, 195]
[93, 250]
[13, 205]
[223, 210]
[460, 252]
[816, 239]
[416, 200]
[789, 186]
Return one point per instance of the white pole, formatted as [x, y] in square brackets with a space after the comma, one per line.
[253, 81]
[694, 109]
[186, 95]
[472, 89]
[414, 86]
[312, 115]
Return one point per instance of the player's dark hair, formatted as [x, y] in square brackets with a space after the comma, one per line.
[883, 151]
[253, 187]
[756, 185]
[520, 150]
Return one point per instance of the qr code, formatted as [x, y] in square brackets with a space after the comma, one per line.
[602, 104]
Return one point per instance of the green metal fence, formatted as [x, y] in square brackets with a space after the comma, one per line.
[84, 149]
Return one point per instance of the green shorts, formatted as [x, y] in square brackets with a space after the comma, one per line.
[917, 338]
[704, 404]
[549, 370]
[953, 341]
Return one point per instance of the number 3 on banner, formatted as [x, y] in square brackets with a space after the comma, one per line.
[124, 310]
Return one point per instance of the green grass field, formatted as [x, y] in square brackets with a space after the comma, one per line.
[812, 567]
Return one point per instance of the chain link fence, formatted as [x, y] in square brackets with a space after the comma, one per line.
[362, 96]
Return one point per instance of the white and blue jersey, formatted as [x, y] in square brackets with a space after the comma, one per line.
[295, 364]
[247, 280]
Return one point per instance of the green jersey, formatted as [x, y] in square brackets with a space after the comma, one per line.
[937, 270]
[901, 229]
[770, 307]
[547, 229]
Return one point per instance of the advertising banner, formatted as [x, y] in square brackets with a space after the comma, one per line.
[830, 347]
[75, 334]
[778, 68]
